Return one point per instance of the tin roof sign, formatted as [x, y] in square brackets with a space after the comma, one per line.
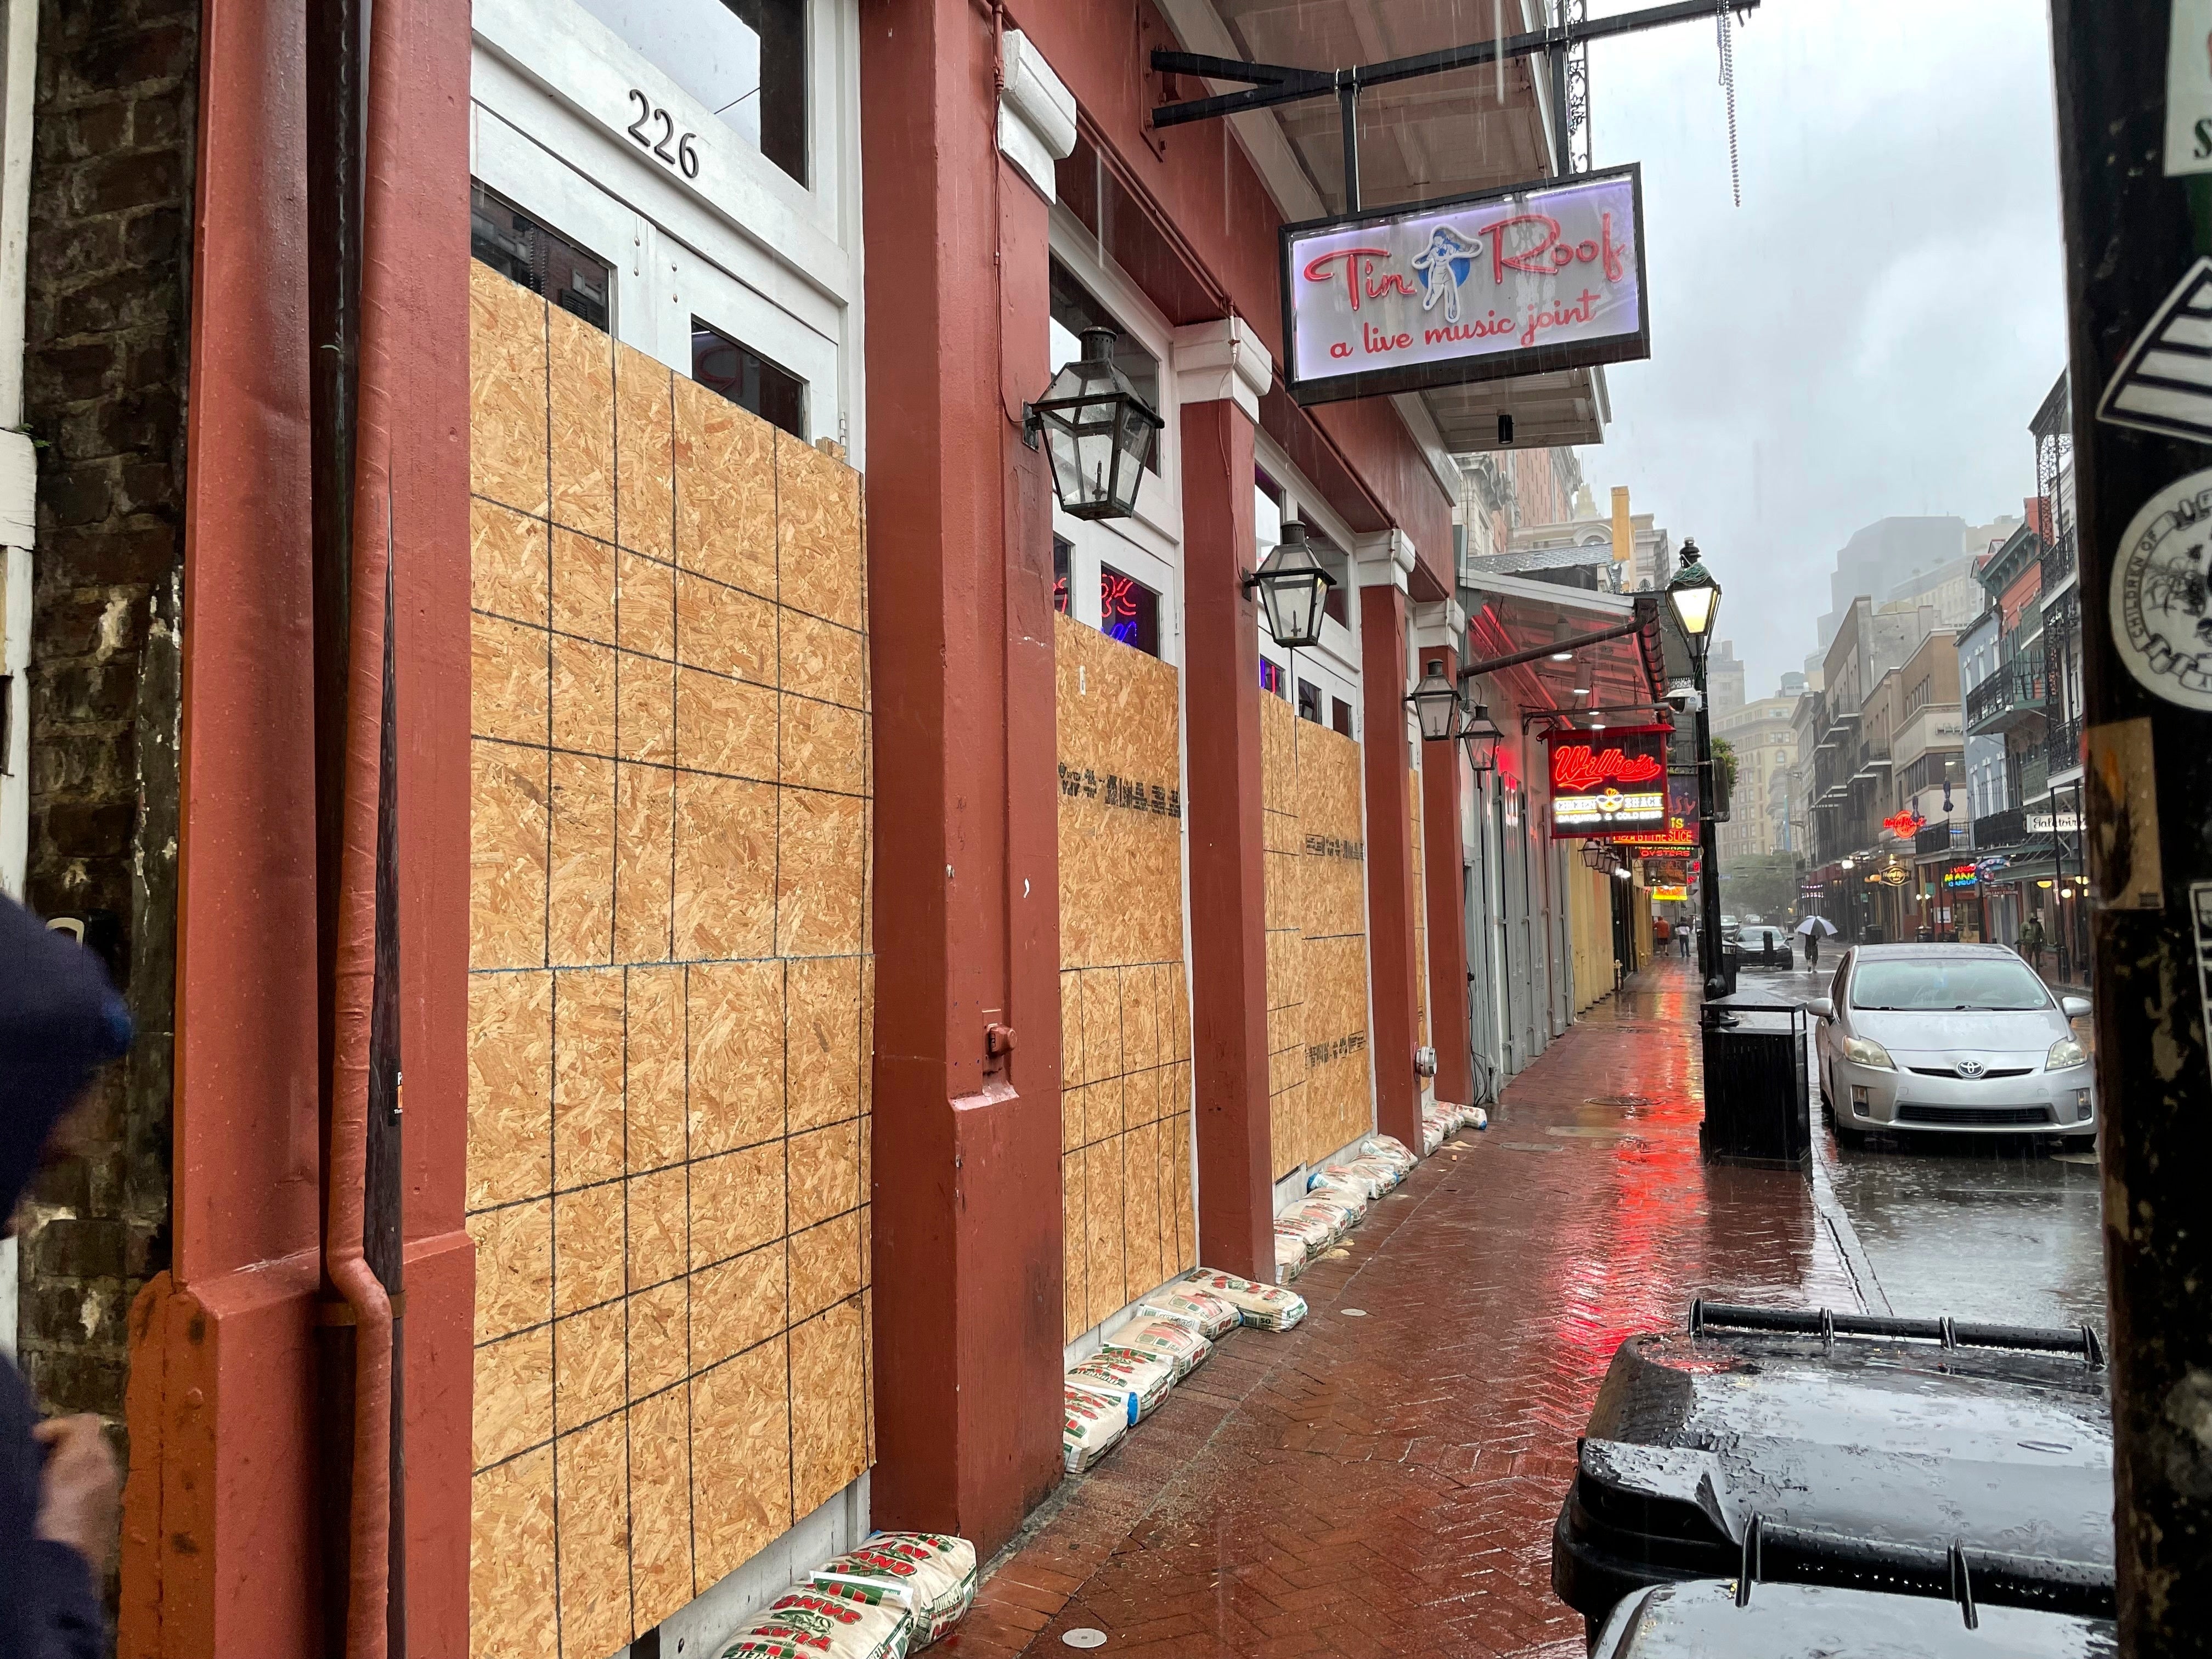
[1524, 281]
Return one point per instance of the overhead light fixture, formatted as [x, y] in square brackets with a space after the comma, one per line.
[1435, 703]
[1481, 734]
[1584, 678]
[1561, 630]
[1505, 430]
[1293, 589]
[1098, 433]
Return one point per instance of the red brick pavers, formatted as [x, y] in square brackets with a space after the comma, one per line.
[1386, 1484]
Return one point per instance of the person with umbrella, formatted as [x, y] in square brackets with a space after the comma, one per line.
[1813, 927]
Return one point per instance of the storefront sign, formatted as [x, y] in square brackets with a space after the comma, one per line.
[1602, 785]
[1675, 837]
[1964, 875]
[1523, 281]
[1677, 894]
[1905, 825]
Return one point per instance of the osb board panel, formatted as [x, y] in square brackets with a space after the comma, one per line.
[672, 997]
[1125, 1188]
[1317, 1085]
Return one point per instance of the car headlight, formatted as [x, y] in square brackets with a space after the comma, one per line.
[1862, 1051]
[2064, 1054]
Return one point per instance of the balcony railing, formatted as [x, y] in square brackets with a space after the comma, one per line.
[2057, 561]
[1935, 837]
[2062, 748]
[2005, 828]
[2010, 696]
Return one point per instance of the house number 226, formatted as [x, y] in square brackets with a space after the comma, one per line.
[685, 158]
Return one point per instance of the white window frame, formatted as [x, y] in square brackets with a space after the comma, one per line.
[745, 247]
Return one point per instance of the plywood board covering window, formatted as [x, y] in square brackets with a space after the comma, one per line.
[1318, 1090]
[671, 984]
[1128, 1203]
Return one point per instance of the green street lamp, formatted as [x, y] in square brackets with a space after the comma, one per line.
[1696, 597]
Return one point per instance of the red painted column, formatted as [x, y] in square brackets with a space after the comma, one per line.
[1443, 887]
[221, 1521]
[1228, 900]
[1389, 854]
[967, 1212]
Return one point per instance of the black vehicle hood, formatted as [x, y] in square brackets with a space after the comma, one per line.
[1896, 1441]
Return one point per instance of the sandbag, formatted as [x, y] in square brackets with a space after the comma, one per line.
[1380, 1169]
[1266, 1307]
[1291, 1257]
[1432, 1136]
[931, 1574]
[1143, 1381]
[1478, 1117]
[1091, 1425]
[1390, 1149]
[1206, 1313]
[1345, 1177]
[1348, 1207]
[1314, 1229]
[1162, 1339]
[827, 1621]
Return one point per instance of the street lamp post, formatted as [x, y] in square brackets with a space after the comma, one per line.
[1696, 597]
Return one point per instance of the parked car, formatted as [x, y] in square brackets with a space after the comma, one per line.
[1957, 1038]
[1865, 1451]
[1721, 1619]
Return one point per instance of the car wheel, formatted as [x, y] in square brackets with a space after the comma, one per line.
[1845, 1135]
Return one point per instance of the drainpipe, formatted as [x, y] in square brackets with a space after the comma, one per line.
[353, 980]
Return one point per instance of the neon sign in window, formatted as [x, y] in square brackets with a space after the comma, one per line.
[1273, 680]
[1129, 611]
[1063, 556]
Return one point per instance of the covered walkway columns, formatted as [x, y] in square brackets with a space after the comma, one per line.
[1437, 630]
[1222, 370]
[1383, 562]
[966, 1228]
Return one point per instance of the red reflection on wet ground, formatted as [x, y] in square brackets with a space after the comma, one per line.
[1387, 1486]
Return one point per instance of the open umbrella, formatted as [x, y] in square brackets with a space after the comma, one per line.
[1820, 924]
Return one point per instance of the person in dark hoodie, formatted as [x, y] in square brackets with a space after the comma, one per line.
[60, 1019]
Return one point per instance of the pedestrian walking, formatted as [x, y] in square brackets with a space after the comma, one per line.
[1682, 942]
[2031, 941]
[59, 1019]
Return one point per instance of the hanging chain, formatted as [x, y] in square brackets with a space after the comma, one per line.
[1722, 23]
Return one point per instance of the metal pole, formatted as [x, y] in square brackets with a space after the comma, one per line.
[1711, 962]
[1347, 102]
[2137, 204]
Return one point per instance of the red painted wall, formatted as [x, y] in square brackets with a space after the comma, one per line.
[1207, 248]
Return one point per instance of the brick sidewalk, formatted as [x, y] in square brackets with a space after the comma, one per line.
[1386, 1484]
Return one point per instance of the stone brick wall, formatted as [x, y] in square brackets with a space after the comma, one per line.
[111, 200]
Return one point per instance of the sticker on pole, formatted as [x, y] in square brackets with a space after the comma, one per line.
[2161, 605]
[2189, 89]
[2200, 912]
[2163, 384]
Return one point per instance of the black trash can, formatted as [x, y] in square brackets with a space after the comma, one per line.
[1757, 1103]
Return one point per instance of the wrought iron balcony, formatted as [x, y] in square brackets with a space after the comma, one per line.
[2062, 748]
[1937, 837]
[2005, 828]
[2012, 697]
[2057, 561]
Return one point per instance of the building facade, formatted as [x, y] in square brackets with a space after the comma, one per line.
[859, 927]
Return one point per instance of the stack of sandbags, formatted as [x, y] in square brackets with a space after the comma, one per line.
[929, 1575]
[1391, 1149]
[1269, 1307]
[1312, 1227]
[1291, 1256]
[827, 1621]
[1436, 1124]
[1204, 1312]
[1170, 1339]
[1478, 1117]
[1091, 1424]
[1138, 1379]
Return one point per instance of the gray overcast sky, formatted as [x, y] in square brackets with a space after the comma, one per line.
[1869, 333]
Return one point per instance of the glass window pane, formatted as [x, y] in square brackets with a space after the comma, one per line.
[1339, 716]
[1129, 611]
[744, 59]
[1309, 701]
[520, 248]
[747, 378]
[1063, 558]
[1273, 680]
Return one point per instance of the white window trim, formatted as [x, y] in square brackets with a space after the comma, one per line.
[548, 87]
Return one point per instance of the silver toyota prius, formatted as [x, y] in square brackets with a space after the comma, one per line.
[1952, 1037]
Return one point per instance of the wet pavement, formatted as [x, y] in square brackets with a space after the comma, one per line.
[2000, 1228]
[1383, 1480]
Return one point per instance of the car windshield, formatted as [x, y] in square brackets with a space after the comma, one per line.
[1942, 984]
